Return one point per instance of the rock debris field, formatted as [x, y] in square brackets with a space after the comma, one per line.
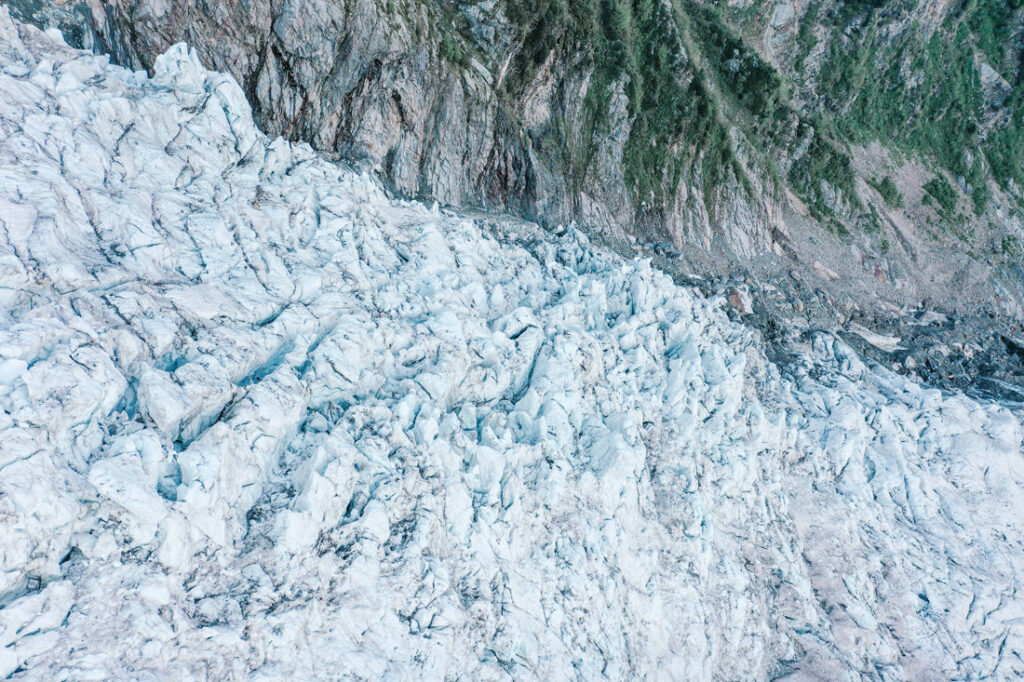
[260, 421]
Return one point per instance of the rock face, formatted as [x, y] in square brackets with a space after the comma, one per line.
[260, 420]
[456, 103]
[878, 142]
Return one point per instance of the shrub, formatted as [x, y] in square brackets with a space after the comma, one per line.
[889, 191]
[943, 193]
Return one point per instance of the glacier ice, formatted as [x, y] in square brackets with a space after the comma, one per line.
[260, 420]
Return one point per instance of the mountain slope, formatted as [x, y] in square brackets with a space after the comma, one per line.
[855, 159]
[260, 420]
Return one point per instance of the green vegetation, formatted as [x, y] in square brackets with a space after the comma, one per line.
[924, 95]
[664, 111]
[754, 84]
[823, 162]
[690, 79]
[943, 193]
[990, 21]
[450, 49]
[854, 8]
[937, 117]
[1004, 148]
[889, 191]
[625, 41]
[1009, 246]
[544, 24]
[805, 35]
[674, 61]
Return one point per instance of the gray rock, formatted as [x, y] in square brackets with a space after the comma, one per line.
[371, 80]
[459, 104]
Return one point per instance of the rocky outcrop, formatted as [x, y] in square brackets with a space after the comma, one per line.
[446, 103]
[872, 149]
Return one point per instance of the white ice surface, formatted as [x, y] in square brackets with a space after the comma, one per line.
[260, 421]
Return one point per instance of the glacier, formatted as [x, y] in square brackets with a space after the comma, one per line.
[262, 421]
